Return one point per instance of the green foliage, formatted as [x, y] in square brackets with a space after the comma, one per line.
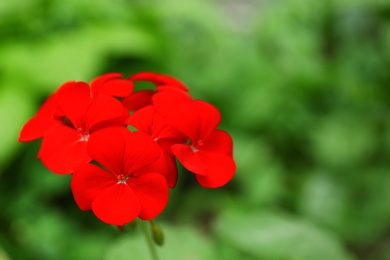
[271, 236]
[302, 86]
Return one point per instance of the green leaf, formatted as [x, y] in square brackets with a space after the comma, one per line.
[76, 55]
[263, 182]
[3, 254]
[276, 236]
[14, 110]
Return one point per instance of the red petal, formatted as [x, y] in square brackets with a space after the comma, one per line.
[152, 191]
[107, 147]
[119, 121]
[167, 101]
[158, 79]
[73, 99]
[170, 81]
[144, 76]
[143, 120]
[102, 108]
[116, 205]
[196, 119]
[218, 141]
[148, 121]
[63, 149]
[166, 165]
[220, 169]
[212, 169]
[141, 150]
[189, 159]
[96, 83]
[88, 181]
[138, 100]
[44, 119]
[115, 87]
[121, 151]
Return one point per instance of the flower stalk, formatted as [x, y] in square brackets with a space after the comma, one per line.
[149, 239]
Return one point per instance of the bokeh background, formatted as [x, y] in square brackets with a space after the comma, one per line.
[303, 88]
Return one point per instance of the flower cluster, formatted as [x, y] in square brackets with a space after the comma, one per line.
[118, 173]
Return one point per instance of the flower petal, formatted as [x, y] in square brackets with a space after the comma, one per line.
[220, 169]
[189, 159]
[101, 109]
[144, 76]
[196, 119]
[114, 86]
[167, 101]
[219, 141]
[138, 100]
[107, 147]
[44, 119]
[159, 80]
[121, 151]
[73, 99]
[152, 191]
[148, 121]
[96, 83]
[63, 149]
[118, 121]
[141, 150]
[88, 181]
[165, 164]
[116, 205]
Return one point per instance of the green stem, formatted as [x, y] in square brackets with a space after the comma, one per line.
[149, 240]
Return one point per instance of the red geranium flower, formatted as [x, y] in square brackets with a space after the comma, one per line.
[120, 192]
[209, 153]
[50, 114]
[148, 121]
[64, 145]
[47, 116]
[143, 98]
[160, 80]
[111, 84]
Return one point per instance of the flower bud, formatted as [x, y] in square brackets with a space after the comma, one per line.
[157, 233]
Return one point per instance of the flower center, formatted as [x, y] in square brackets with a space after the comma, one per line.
[122, 179]
[195, 147]
[84, 135]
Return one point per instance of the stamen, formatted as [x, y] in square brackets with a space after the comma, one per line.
[194, 149]
[84, 135]
[122, 179]
[84, 138]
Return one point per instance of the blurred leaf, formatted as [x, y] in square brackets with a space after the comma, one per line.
[77, 55]
[3, 255]
[15, 107]
[342, 140]
[275, 236]
[258, 173]
[324, 199]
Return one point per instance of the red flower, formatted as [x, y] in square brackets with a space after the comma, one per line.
[47, 116]
[143, 98]
[111, 84]
[209, 154]
[148, 121]
[160, 80]
[138, 100]
[121, 193]
[64, 145]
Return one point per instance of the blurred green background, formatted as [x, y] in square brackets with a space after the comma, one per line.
[303, 88]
